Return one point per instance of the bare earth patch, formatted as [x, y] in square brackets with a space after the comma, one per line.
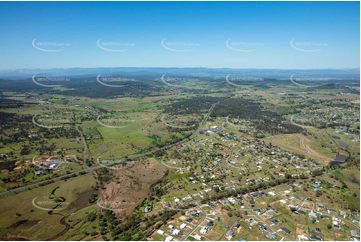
[326, 161]
[135, 180]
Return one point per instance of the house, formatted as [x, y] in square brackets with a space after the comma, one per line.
[343, 213]
[37, 173]
[312, 215]
[245, 213]
[287, 231]
[198, 237]
[258, 210]
[236, 225]
[302, 237]
[317, 230]
[232, 200]
[159, 231]
[176, 232]
[217, 219]
[261, 226]
[169, 238]
[204, 230]
[274, 221]
[214, 212]
[272, 194]
[320, 206]
[194, 213]
[355, 220]
[301, 212]
[269, 215]
[270, 235]
[296, 197]
[210, 223]
[147, 209]
[211, 205]
[315, 238]
[331, 210]
[354, 233]
[229, 234]
[189, 220]
[182, 226]
[171, 226]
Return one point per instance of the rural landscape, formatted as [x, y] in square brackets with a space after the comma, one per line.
[179, 157]
[180, 121]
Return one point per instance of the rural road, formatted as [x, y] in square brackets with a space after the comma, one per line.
[196, 226]
[85, 148]
[145, 129]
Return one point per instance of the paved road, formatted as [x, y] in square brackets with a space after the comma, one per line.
[196, 226]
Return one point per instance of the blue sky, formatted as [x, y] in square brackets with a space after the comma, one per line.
[259, 34]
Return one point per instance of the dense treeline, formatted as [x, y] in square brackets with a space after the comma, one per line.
[10, 103]
[85, 87]
[191, 105]
[250, 110]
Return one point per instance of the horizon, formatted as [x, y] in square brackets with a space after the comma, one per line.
[183, 67]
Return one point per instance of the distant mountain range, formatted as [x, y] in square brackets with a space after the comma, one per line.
[151, 72]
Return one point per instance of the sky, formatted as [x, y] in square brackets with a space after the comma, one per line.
[282, 35]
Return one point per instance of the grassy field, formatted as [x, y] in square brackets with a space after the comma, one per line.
[40, 225]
